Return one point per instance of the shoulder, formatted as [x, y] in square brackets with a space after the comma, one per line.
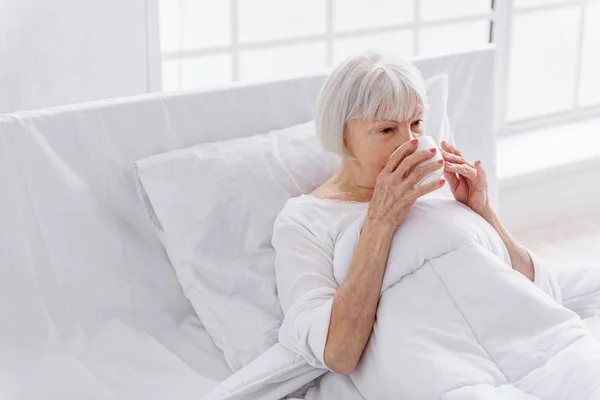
[304, 229]
[312, 218]
[305, 211]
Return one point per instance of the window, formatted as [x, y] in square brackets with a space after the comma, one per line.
[214, 42]
[549, 59]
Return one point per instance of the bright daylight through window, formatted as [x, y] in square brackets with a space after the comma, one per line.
[208, 42]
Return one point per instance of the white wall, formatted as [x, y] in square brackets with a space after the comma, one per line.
[56, 52]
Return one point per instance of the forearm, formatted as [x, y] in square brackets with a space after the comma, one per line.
[519, 257]
[355, 302]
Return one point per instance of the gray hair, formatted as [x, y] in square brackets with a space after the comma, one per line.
[370, 87]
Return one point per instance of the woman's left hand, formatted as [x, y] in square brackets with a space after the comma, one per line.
[467, 181]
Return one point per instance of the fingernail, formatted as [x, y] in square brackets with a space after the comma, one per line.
[440, 161]
[442, 181]
[433, 150]
[414, 141]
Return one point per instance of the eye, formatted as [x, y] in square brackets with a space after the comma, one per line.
[387, 131]
[418, 122]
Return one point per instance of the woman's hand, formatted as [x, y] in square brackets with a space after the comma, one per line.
[468, 182]
[395, 193]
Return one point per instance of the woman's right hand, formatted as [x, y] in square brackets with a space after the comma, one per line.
[395, 193]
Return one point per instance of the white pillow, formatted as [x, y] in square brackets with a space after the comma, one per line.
[214, 205]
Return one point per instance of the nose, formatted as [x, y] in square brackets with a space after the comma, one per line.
[405, 134]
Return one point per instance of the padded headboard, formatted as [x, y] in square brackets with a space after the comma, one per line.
[161, 122]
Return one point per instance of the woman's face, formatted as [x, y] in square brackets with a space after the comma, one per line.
[372, 142]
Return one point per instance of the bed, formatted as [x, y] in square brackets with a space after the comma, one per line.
[90, 305]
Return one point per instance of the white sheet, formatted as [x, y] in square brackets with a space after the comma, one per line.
[116, 362]
[593, 325]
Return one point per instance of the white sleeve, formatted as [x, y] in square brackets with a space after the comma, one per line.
[306, 286]
[544, 279]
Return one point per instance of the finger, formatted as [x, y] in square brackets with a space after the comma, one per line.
[481, 176]
[463, 181]
[452, 180]
[461, 169]
[420, 172]
[429, 187]
[400, 154]
[451, 149]
[410, 162]
[453, 158]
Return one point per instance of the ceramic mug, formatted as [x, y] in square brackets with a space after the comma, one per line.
[426, 143]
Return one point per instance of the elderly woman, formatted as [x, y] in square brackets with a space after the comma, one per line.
[368, 108]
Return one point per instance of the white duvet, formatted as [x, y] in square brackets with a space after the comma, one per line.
[454, 321]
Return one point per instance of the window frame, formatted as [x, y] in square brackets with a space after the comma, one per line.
[500, 17]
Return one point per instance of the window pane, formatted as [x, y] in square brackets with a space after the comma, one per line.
[456, 37]
[589, 90]
[170, 25]
[282, 62]
[205, 23]
[542, 62]
[533, 3]
[397, 44]
[276, 19]
[439, 9]
[170, 75]
[201, 72]
[360, 14]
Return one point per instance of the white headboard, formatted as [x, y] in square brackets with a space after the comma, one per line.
[140, 126]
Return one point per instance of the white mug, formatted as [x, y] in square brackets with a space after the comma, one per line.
[426, 143]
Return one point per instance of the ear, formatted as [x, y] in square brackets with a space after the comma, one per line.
[345, 133]
[346, 141]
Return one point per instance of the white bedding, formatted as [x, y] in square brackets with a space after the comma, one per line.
[116, 362]
[454, 317]
[454, 320]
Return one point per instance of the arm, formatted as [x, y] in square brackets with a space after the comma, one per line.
[330, 325]
[519, 256]
[524, 261]
[355, 303]
[319, 314]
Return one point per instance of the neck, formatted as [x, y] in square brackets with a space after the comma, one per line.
[351, 182]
